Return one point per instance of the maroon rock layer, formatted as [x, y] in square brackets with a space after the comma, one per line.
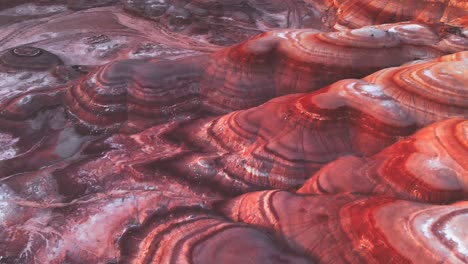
[188, 236]
[429, 166]
[134, 94]
[358, 13]
[246, 151]
[357, 229]
[294, 61]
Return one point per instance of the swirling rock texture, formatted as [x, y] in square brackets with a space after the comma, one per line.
[429, 166]
[358, 13]
[357, 229]
[284, 62]
[246, 131]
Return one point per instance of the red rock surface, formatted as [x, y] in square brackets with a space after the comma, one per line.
[430, 166]
[246, 131]
[358, 13]
[358, 229]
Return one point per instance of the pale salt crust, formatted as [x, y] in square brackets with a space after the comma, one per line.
[15, 83]
[255, 171]
[7, 146]
[374, 90]
[6, 207]
[426, 219]
[88, 232]
[425, 227]
[461, 240]
[282, 35]
[82, 53]
[409, 27]
[435, 164]
[32, 10]
[429, 74]
[160, 51]
[393, 114]
[294, 36]
[369, 32]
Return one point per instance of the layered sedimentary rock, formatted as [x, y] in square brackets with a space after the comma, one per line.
[40, 227]
[191, 236]
[284, 141]
[428, 91]
[357, 229]
[429, 166]
[356, 13]
[134, 94]
[127, 130]
[239, 77]
[301, 134]
[280, 143]
[294, 61]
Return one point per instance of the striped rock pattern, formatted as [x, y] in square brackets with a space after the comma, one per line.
[358, 229]
[125, 94]
[201, 237]
[128, 94]
[294, 61]
[202, 131]
[244, 151]
[355, 13]
[429, 166]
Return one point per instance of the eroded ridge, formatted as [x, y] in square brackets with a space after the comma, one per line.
[429, 166]
[191, 236]
[359, 229]
[355, 13]
[293, 61]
